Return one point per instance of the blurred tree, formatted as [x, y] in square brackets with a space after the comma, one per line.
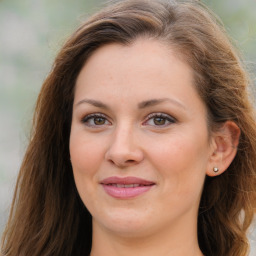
[239, 18]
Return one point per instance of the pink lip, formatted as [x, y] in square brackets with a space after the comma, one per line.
[126, 187]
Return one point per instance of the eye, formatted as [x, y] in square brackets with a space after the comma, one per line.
[95, 120]
[159, 119]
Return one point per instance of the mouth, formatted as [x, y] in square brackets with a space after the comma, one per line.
[126, 187]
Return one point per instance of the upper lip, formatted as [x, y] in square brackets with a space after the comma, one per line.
[126, 181]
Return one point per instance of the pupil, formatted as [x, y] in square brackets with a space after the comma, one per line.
[159, 121]
[99, 120]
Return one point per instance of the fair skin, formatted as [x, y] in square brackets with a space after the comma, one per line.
[137, 114]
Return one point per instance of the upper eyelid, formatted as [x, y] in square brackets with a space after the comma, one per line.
[146, 118]
[159, 114]
[95, 114]
[86, 117]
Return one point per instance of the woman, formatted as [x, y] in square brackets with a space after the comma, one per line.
[143, 141]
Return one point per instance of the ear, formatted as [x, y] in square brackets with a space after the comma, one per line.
[224, 144]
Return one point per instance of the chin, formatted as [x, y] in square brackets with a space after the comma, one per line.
[124, 223]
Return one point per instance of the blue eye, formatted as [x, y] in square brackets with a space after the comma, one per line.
[95, 120]
[159, 119]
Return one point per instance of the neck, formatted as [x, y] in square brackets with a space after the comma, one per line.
[174, 242]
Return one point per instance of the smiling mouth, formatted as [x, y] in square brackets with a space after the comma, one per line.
[126, 187]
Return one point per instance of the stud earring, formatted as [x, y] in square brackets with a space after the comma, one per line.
[215, 169]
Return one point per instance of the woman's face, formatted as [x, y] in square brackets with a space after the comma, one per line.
[139, 142]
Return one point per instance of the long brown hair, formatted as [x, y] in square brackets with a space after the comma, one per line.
[47, 216]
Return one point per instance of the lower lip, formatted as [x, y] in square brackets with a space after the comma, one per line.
[124, 193]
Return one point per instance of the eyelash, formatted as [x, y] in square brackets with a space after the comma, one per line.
[92, 117]
[162, 116]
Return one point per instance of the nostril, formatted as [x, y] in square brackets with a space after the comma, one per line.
[122, 163]
[111, 161]
[130, 161]
[123, 158]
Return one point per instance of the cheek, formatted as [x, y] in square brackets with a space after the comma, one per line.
[180, 151]
[86, 154]
[86, 158]
[181, 161]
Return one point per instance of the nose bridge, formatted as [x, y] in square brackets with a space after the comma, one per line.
[123, 135]
[123, 148]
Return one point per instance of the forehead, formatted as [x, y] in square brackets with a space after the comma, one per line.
[144, 62]
[128, 74]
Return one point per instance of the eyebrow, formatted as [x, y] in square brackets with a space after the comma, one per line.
[141, 105]
[153, 102]
[95, 103]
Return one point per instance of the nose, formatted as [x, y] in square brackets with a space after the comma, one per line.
[124, 150]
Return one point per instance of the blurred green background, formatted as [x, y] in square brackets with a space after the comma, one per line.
[32, 32]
